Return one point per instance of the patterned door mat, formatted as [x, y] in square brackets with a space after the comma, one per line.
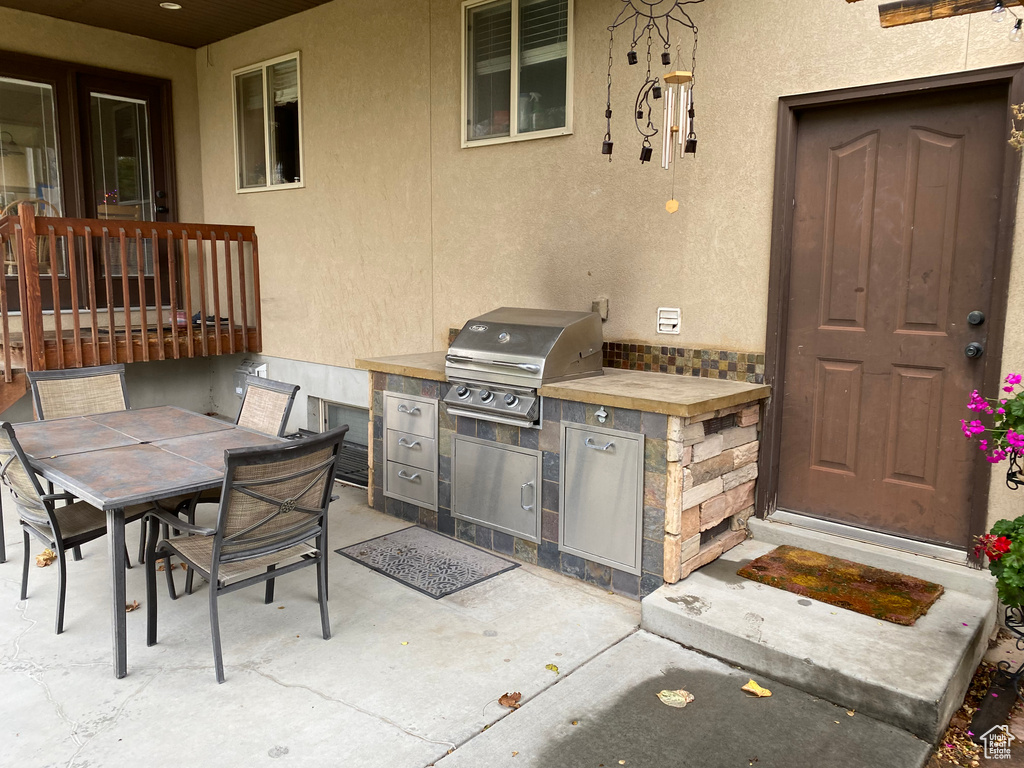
[426, 561]
[882, 594]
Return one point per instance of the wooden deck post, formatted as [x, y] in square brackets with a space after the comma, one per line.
[32, 314]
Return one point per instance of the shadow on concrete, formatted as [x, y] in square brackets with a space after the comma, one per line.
[725, 727]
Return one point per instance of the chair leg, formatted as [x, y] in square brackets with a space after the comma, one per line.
[142, 545]
[127, 560]
[3, 541]
[24, 567]
[169, 574]
[321, 582]
[269, 597]
[77, 554]
[62, 587]
[218, 657]
[189, 574]
[150, 565]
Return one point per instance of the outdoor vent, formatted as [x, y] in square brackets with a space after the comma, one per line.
[717, 425]
[668, 320]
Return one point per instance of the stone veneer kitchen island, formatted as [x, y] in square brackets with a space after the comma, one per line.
[700, 451]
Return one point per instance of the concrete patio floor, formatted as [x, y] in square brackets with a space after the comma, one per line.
[363, 699]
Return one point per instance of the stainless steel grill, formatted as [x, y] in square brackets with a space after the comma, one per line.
[499, 360]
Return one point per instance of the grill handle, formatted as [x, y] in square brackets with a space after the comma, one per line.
[528, 367]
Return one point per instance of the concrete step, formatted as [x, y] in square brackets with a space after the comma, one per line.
[912, 677]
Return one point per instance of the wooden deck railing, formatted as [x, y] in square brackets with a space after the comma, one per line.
[84, 292]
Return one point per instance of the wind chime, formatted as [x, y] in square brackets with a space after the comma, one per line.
[655, 20]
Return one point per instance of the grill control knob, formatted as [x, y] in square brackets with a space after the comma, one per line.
[485, 396]
[462, 393]
[511, 400]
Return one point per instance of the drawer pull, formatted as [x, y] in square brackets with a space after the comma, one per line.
[403, 443]
[405, 476]
[522, 497]
[414, 411]
[589, 442]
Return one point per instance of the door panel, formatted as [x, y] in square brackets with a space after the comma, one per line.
[894, 232]
[126, 177]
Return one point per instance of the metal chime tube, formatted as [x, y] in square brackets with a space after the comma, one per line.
[666, 146]
[684, 106]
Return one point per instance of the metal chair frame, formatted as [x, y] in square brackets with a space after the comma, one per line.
[56, 540]
[227, 548]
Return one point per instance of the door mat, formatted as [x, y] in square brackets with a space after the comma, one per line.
[426, 561]
[881, 594]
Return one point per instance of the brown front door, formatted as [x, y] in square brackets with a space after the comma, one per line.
[894, 236]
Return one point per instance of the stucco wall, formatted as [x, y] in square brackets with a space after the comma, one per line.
[55, 39]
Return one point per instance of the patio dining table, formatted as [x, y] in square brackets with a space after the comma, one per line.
[115, 460]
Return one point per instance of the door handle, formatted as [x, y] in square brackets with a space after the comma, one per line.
[403, 408]
[522, 497]
[589, 442]
[405, 476]
[974, 350]
[406, 444]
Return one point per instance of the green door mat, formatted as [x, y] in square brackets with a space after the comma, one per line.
[881, 594]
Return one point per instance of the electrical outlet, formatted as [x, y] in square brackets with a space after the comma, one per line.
[668, 320]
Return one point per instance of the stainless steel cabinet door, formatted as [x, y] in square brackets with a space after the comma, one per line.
[601, 514]
[497, 486]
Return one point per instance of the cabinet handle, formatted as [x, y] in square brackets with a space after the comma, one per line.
[522, 497]
[402, 474]
[403, 408]
[402, 442]
[589, 442]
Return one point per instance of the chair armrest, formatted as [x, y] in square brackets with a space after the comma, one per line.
[172, 520]
[58, 497]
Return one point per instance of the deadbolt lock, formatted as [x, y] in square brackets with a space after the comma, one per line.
[976, 318]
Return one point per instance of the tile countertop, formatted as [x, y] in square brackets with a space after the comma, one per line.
[667, 393]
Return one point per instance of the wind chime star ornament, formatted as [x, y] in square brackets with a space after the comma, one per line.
[653, 22]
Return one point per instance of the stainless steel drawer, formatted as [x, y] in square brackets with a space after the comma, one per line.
[414, 450]
[412, 484]
[601, 491]
[415, 415]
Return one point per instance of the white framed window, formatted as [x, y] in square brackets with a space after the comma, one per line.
[268, 125]
[516, 70]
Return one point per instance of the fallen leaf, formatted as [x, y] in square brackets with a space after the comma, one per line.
[836, 722]
[622, 762]
[405, 642]
[575, 722]
[851, 712]
[134, 606]
[514, 754]
[558, 654]
[511, 700]
[45, 557]
[756, 690]
[677, 699]
[552, 667]
[280, 607]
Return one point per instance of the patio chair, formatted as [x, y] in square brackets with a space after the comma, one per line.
[272, 520]
[78, 392]
[60, 528]
[266, 405]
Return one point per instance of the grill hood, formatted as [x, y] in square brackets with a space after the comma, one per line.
[526, 347]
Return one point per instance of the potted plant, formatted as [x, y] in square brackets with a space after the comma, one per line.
[1003, 440]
